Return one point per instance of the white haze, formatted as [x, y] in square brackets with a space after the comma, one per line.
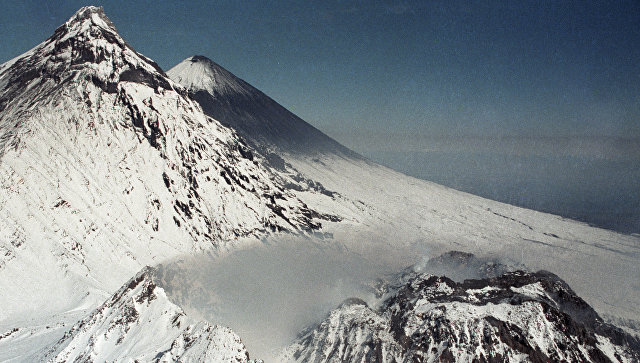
[271, 291]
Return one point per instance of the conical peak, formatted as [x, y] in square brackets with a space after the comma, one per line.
[203, 59]
[86, 34]
[199, 73]
[95, 39]
[87, 47]
[214, 70]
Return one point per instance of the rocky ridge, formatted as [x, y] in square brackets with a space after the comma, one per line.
[517, 316]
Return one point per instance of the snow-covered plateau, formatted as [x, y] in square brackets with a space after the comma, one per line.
[115, 175]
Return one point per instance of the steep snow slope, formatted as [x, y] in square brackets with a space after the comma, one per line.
[139, 323]
[257, 117]
[516, 317]
[106, 166]
[385, 208]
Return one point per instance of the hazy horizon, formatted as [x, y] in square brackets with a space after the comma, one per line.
[602, 193]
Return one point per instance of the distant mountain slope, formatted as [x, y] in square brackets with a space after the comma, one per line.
[256, 116]
[517, 317]
[386, 210]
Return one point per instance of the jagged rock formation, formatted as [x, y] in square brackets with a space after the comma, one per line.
[139, 323]
[517, 317]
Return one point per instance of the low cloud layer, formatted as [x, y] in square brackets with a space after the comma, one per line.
[269, 292]
[272, 290]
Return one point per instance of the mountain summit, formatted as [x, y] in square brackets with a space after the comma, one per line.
[517, 316]
[262, 121]
[122, 326]
[85, 48]
[200, 73]
[86, 17]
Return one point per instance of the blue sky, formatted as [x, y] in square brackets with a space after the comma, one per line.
[369, 72]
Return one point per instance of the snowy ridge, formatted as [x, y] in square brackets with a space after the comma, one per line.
[517, 317]
[261, 120]
[139, 323]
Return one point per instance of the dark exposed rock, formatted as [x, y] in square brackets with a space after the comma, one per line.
[144, 77]
[516, 316]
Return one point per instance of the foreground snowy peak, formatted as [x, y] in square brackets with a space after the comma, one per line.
[139, 323]
[516, 317]
[106, 167]
[261, 120]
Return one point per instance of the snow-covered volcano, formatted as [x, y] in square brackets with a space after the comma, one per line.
[515, 316]
[107, 165]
